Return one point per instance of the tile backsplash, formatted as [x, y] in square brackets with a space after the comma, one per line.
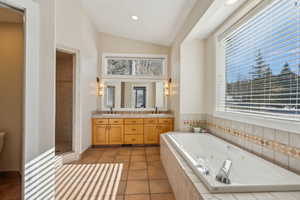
[278, 146]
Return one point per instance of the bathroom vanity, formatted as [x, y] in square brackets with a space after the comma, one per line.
[118, 129]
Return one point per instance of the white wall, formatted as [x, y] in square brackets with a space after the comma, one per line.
[75, 30]
[210, 74]
[113, 44]
[47, 76]
[197, 12]
[192, 76]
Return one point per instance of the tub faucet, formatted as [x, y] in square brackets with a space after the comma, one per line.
[223, 175]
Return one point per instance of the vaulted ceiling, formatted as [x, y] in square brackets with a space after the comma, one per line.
[159, 20]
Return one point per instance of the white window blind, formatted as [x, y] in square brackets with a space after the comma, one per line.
[262, 63]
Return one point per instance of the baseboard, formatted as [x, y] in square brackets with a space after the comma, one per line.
[69, 157]
[10, 170]
[10, 173]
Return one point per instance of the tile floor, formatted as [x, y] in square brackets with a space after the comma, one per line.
[143, 176]
[10, 186]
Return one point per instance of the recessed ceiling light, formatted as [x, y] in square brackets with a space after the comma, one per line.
[230, 2]
[134, 17]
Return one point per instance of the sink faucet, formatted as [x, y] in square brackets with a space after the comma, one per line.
[111, 110]
[156, 110]
[223, 175]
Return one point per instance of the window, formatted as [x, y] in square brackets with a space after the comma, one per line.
[125, 66]
[110, 101]
[262, 63]
[140, 97]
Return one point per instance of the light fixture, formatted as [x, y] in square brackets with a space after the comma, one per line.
[134, 17]
[168, 87]
[231, 2]
[100, 87]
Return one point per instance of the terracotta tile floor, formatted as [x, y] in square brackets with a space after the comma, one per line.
[10, 186]
[143, 176]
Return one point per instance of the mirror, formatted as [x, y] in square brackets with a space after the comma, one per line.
[134, 94]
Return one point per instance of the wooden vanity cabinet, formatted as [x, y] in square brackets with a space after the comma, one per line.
[100, 135]
[154, 127]
[133, 131]
[130, 130]
[150, 134]
[108, 131]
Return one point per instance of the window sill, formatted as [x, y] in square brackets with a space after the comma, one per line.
[280, 124]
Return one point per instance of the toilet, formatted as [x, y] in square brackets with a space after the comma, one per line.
[2, 135]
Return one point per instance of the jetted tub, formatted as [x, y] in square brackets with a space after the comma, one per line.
[249, 173]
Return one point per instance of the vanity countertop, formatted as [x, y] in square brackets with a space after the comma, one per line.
[132, 116]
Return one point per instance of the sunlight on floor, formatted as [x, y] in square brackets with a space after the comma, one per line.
[88, 181]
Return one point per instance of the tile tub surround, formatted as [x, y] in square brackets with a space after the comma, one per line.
[187, 120]
[280, 147]
[186, 185]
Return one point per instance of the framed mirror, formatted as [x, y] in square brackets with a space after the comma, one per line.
[134, 95]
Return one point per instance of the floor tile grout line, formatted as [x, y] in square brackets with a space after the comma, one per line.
[147, 167]
[130, 154]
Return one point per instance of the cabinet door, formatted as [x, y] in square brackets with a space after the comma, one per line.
[163, 129]
[150, 134]
[100, 136]
[116, 134]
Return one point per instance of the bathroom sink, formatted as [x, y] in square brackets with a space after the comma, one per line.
[2, 135]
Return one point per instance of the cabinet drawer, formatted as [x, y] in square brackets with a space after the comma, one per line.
[101, 121]
[133, 121]
[115, 121]
[134, 139]
[165, 121]
[133, 129]
[150, 121]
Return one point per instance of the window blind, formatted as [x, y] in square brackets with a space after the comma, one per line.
[262, 63]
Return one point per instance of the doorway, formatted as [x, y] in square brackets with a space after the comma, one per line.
[65, 87]
[12, 53]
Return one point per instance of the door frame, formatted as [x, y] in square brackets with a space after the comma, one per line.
[76, 129]
[30, 109]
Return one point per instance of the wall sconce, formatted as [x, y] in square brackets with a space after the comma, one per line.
[168, 87]
[100, 87]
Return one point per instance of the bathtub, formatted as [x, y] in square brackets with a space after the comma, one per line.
[249, 173]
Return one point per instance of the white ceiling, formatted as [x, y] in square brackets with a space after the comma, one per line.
[159, 20]
[217, 14]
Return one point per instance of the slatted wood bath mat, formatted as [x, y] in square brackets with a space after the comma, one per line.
[88, 181]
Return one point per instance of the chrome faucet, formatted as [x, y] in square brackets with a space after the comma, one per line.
[223, 175]
[156, 110]
[111, 110]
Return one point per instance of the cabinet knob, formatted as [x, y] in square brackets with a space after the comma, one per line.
[133, 129]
